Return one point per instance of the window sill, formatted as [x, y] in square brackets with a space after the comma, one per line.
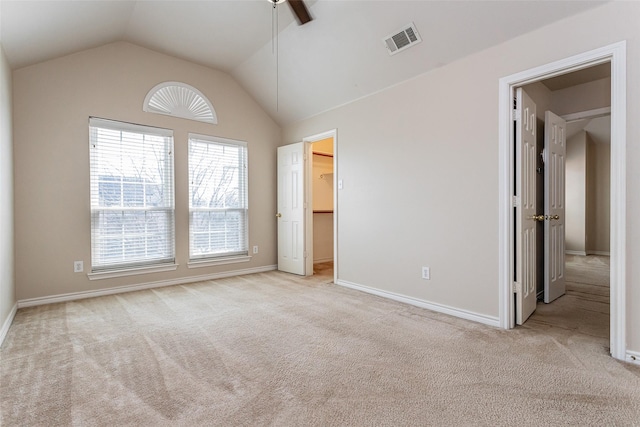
[218, 261]
[110, 274]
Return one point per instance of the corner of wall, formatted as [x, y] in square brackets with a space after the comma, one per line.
[8, 304]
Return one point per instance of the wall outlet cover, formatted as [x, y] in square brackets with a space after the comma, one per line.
[78, 266]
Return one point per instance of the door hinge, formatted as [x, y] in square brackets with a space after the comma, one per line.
[515, 201]
[516, 287]
[515, 115]
[304, 254]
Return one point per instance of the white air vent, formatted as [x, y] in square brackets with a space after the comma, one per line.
[402, 39]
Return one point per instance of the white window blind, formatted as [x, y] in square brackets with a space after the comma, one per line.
[132, 202]
[217, 197]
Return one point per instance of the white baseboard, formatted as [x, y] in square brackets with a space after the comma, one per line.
[139, 287]
[318, 261]
[582, 253]
[440, 308]
[602, 253]
[633, 357]
[579, 253]
[7, 323]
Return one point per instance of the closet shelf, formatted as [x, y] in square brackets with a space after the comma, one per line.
[318, 153]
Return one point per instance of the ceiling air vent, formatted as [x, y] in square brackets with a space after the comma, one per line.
[402, 39]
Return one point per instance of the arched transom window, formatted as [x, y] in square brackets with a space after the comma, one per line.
[180, 100]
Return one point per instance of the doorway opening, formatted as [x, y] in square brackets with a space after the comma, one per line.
[583, 101]
[321, 199]
[616, 56]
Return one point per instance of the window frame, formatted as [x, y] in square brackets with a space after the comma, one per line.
[101, 267]
[228, 257]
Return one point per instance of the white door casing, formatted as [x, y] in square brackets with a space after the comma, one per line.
[616, 55]
[555, 150]
[526, 160]
[291, 209]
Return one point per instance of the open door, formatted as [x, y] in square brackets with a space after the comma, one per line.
[526, 217]
[555, 150]
[291, 209]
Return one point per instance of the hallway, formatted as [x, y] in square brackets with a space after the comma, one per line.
[584, 309]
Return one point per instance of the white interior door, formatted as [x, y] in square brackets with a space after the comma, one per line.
[291, 209]
[526, 158]
[555, 149]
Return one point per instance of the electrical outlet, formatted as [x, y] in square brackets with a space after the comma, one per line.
[255, 249]
[78, 266]
[426, 274]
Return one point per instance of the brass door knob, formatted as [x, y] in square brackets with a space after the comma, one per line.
[554, 216]
[537, 217]
[278, 215]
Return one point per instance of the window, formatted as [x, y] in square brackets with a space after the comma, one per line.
[132, 204]
[217, 198]
[180, 100]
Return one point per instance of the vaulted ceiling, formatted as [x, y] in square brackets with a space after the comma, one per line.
[336, 58]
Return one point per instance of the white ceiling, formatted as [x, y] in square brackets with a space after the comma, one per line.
[599, 129]
[336, 58]
[579, 77]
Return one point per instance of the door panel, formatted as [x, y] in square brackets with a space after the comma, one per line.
[555, 148]
[526, 211]
[291, 209]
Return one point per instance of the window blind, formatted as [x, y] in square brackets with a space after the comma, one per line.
[218, 206]
[132, 195]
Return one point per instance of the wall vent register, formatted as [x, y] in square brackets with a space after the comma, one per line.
[402, 39]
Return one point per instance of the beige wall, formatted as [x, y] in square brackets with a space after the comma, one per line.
[420, 165]
[584, 97]
[52, 103]
[588, 185]
[598, 223]
[7, 289]
[576, 194]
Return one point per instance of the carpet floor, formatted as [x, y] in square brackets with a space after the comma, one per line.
[272, 349]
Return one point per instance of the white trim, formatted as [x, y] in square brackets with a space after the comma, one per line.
[7, 323]
[333, 133]
[139, 287]
[579, 253]
[440, 308]
[583, 253]
[219, 261]
[129, 127]
[616, 55]
[633, 357]
[589, 114]
[601, 253]
[216, 139]
[110, 274]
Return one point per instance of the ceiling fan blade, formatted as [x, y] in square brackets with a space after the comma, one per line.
[300, 10]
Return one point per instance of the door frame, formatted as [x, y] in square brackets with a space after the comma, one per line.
[308, 190]
[616, 55]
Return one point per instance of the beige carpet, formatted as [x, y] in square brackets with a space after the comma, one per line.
[275, 349]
